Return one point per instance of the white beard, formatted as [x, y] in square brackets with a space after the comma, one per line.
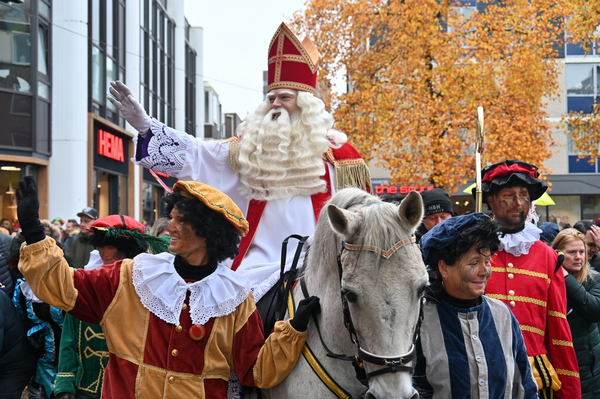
[281, 157]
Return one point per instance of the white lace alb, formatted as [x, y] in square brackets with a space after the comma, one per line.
[518, 244]
[162, 290]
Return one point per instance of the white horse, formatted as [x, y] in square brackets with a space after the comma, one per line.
[382, 280]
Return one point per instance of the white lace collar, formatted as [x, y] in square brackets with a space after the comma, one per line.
[162, 290]
[518, 244]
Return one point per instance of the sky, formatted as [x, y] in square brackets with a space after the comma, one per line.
[236, 37]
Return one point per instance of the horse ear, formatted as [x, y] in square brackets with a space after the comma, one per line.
[341, 220]
[411, 210]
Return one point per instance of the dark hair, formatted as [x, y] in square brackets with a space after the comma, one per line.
[130, 246]
[483, 234]
[583, 226]
[221, 236]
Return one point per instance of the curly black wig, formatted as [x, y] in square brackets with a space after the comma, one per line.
[221, 236]
[129, 245]
[483, 234]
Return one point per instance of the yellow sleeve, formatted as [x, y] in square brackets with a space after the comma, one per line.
[279, 355]
[48, 273]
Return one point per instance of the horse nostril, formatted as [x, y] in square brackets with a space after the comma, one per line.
[415, 396]
[370, 396]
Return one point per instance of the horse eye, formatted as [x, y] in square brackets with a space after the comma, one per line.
[350, 296]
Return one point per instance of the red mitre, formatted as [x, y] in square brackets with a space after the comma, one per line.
[292, 64]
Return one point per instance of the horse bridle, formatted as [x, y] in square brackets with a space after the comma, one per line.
[391, 364]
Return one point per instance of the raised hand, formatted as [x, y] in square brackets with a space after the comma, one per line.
[28, 207]
[306, 307]
[130, 108]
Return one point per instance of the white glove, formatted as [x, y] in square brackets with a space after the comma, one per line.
[129, 107]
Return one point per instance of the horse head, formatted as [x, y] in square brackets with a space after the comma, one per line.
[382, 278]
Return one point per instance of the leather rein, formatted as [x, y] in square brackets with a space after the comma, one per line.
[390, 364]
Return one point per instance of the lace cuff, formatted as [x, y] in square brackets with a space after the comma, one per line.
[165, 149]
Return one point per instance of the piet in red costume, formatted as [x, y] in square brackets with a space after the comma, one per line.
[525, 276]
[176, 324]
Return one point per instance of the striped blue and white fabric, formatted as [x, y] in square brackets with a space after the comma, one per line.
[471, 353]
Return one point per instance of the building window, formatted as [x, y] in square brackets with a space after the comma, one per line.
[158, 71]
[15, 47]
[583, 86]
[580, 165]
[577, 49]
[463, 11]
[190, 90]
[583, 89]
[107, 30]
[25, 84]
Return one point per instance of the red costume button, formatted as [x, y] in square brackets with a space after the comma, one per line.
[197, 332]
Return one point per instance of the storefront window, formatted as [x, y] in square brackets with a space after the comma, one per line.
[110, 194]
[590, 206]
[565, 213]
[9, 181]
[149, 202]
[153, 207]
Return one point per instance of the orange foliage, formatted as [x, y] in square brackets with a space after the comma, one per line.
[414, 86]
[584, 130]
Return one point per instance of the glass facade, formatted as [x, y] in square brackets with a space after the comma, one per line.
[190, 87]
[25, 76]
[107, 56]
[570, 209]
[158, 68]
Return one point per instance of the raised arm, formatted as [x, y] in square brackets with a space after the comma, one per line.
[84, 293]
[163, 149]
[122, 98]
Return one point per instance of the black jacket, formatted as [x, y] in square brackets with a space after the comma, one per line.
[6, 278]
[17, 357]
[583, 301]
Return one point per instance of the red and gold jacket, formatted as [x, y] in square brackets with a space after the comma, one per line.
[536, 294]
[150, 358]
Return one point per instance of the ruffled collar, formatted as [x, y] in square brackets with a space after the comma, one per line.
[95, 261]
[162, 291]
[518, 244]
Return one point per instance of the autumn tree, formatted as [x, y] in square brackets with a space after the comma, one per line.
[417, 70]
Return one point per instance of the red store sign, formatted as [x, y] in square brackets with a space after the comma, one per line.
[392, 189]
[110, 146]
